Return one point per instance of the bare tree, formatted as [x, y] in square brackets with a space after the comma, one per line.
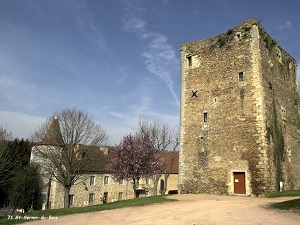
[5, 135]
[6, 157]
[134, 158]
[166, 140]
[62, 142]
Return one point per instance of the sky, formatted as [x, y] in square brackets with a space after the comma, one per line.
[117, 60]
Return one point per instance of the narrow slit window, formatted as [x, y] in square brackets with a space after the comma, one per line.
[241, 76]
[205, 117]
[190, 60]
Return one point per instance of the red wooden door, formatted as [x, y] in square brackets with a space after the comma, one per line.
[239, 183]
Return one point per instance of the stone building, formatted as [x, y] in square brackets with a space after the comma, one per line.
[239, 114]
[96, 185]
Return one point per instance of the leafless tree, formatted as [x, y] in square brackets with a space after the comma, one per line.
[5, 157]
[61, 148]
[5, 135]
[166, 140]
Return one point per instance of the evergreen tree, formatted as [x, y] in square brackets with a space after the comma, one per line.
[19, 180]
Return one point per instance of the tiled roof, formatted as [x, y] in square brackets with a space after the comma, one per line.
[53, 135]
[98, 159]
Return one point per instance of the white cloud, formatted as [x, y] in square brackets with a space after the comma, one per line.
[85, 22]
[21, 125]
[128, 123]
[16, 90]
[160, 56]
[132, 23]
[127, 120]
[287, 25]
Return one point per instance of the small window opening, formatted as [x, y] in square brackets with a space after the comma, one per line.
[71, 199]
[241, 76]
[120, 196]
[190, 60]
[106, 179]
[91, 198]
[205, 117]
[92, 180]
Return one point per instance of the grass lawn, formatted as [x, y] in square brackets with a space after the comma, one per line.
[60, 212]
[287, 205]
[288, 193]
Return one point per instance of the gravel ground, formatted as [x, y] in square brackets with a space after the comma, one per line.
[190, 209]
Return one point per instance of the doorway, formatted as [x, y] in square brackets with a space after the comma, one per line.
[105, 199]
[239, 182]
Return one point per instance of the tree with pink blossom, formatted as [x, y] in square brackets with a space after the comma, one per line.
[135, 158]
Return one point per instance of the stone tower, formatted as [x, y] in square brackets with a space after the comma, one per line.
[239, 114]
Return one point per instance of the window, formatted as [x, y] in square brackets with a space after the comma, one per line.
[241, 76]
[71, 199]
[91, 198]
[205, 117]
[270, 86]
[190, 60]
[121, 181]
[120, 196]
[106, 179]
[147, 180]
[162, 186]
[92, 180]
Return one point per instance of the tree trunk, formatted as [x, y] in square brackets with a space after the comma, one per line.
[155, 183]
[66, 197]
[135, 186]
[166, 183]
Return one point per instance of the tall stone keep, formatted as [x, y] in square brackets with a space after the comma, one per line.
[239, 114]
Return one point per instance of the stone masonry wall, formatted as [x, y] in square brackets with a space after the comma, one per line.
[281, 96]
[82, 190]
[225, 111]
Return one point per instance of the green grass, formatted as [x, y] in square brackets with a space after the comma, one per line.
[289, 193]
[114, 205]
[287, 205]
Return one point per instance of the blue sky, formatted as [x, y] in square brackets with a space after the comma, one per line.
[117, 60]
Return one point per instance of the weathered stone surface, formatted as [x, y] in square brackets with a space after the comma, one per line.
[239, 113]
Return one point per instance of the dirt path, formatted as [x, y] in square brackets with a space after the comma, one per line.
[190, 209]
